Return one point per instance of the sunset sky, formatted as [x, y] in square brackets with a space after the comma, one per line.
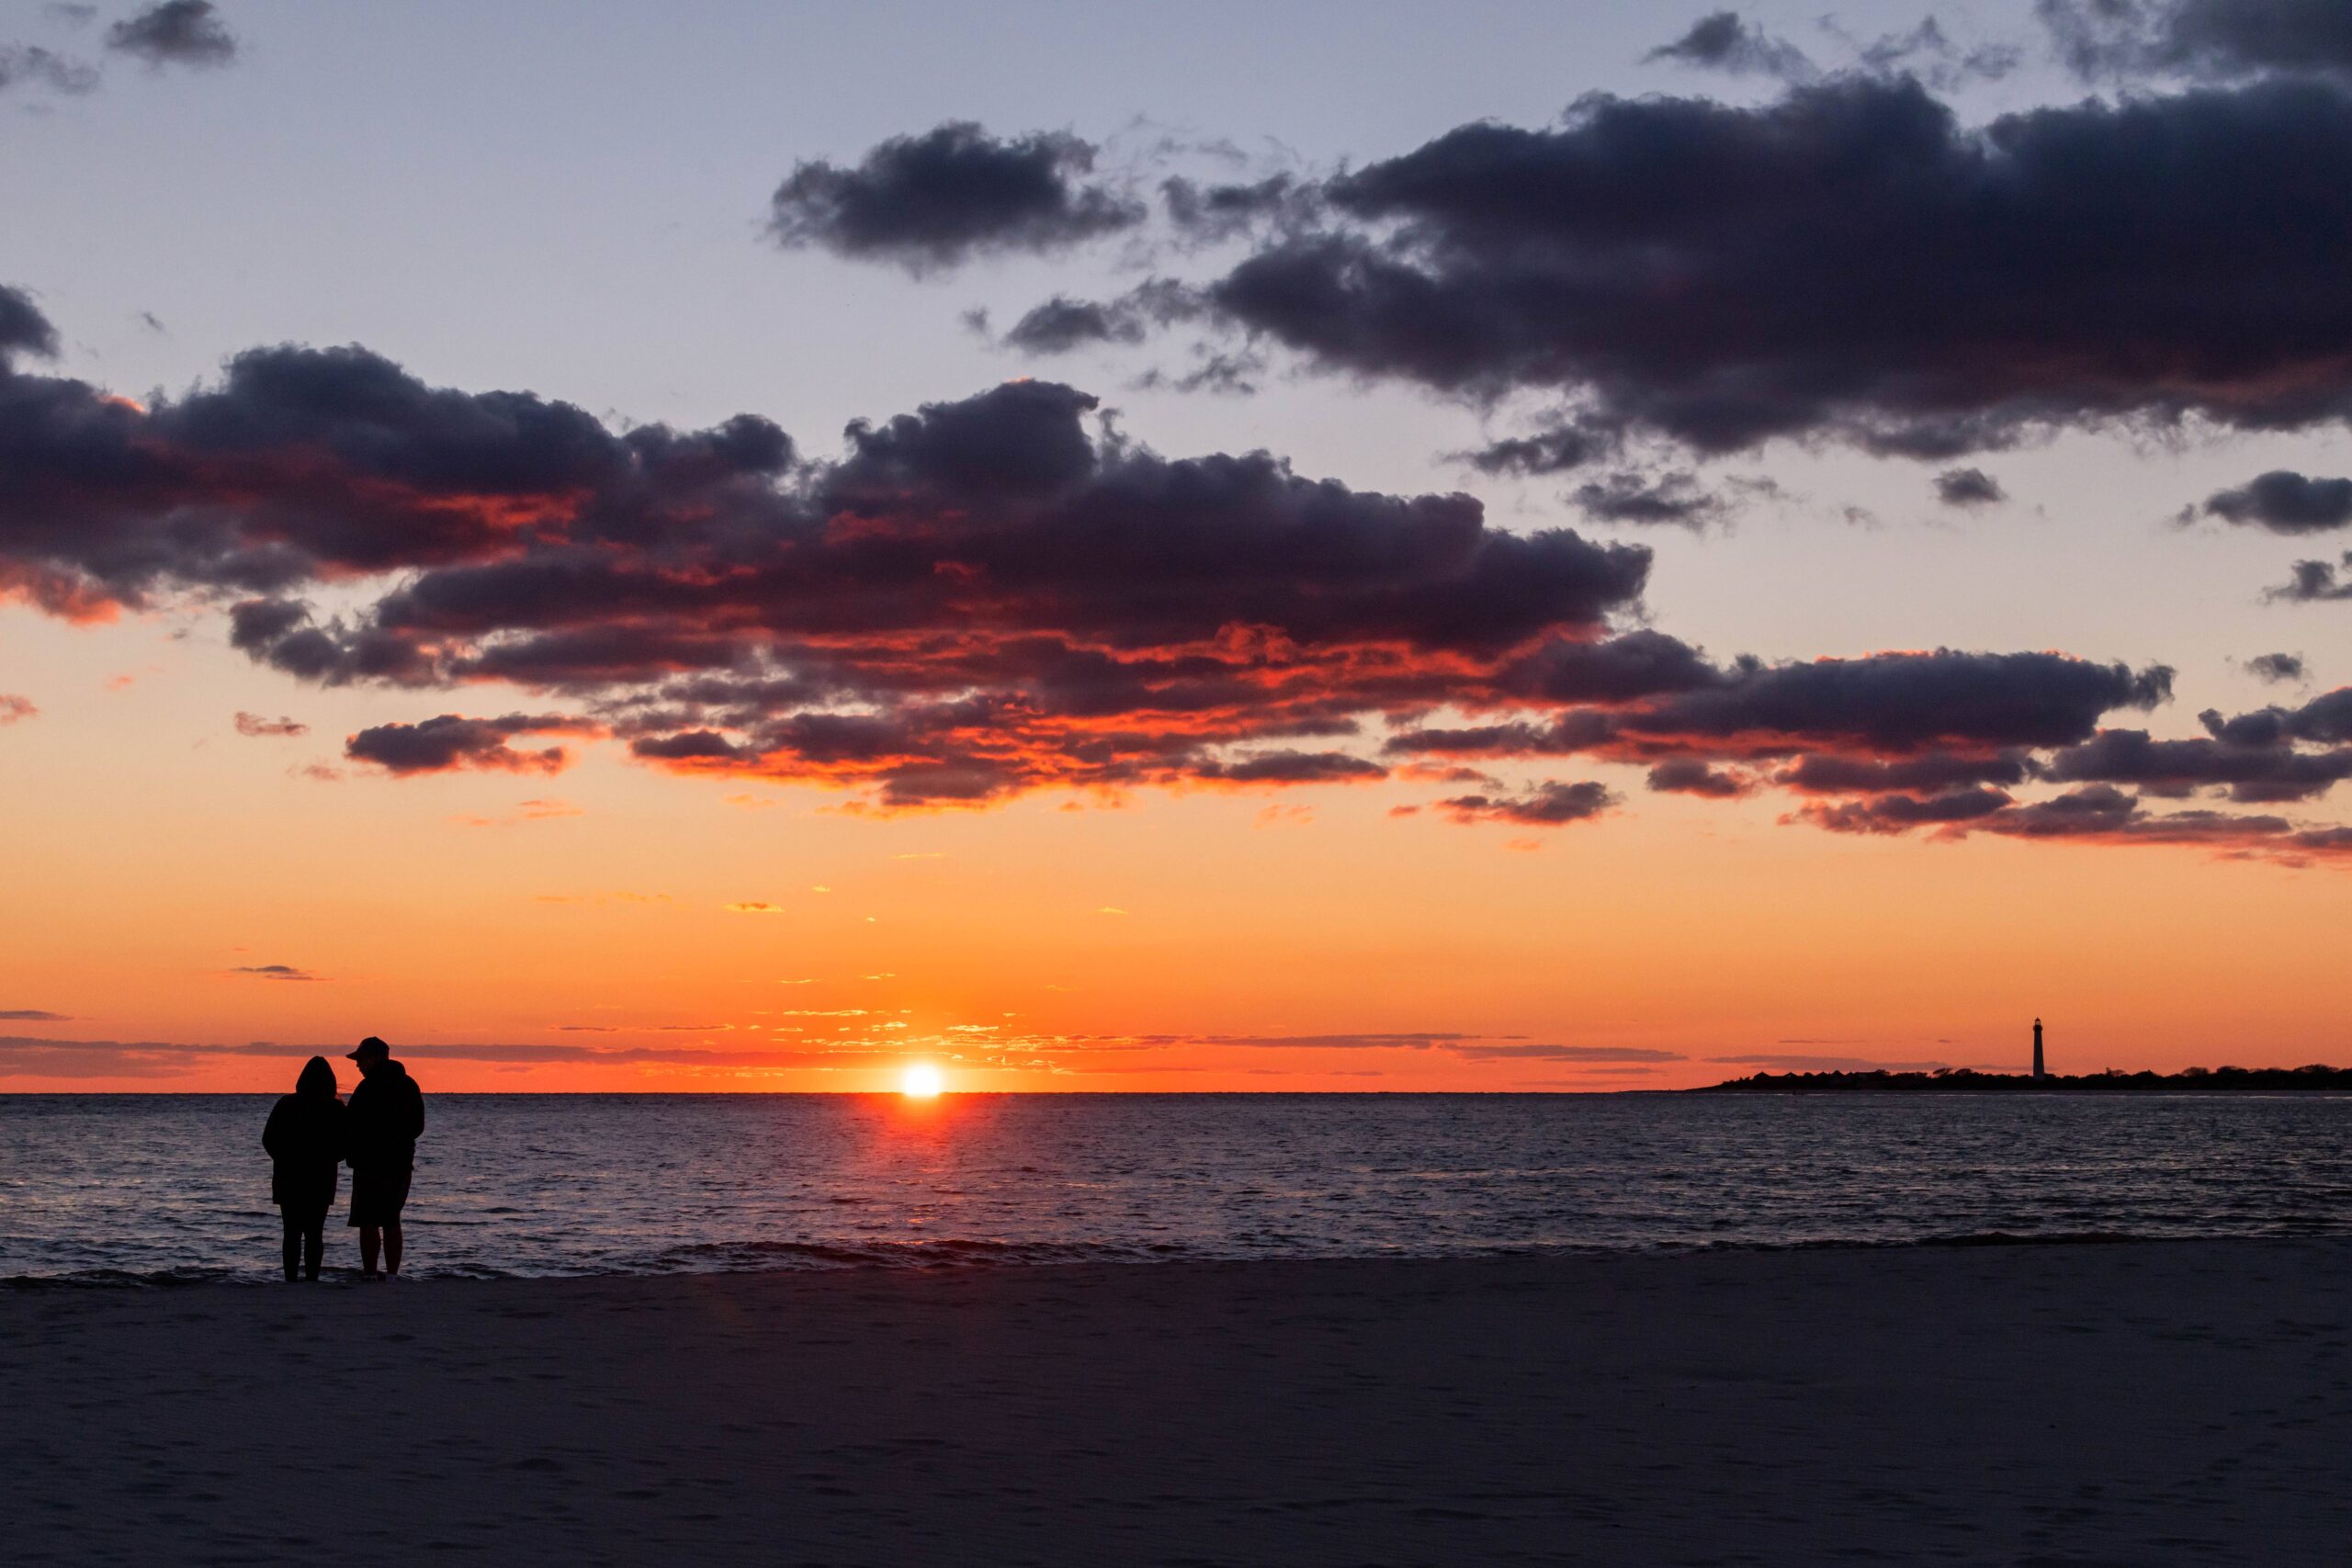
[1303, 546]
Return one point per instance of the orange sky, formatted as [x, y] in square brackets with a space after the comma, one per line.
[440, 572]
[1052, 943]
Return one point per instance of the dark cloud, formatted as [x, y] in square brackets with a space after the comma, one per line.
[1692, 775]
[1549, 805]
[2251, 774]
[1210, 213]
[995, 595]
[2276, 667]
[1928, 52]
[2325, 720]
[1061, 324]
[452, 741]
[1676, 499]
[2214, 40]
[253, 725]
[1903, 813]
[981, 597]
[1968, 486]
[1849, 263]
[2315, 581]
[175, 32]
[1903, 703]
[1553, 451]
[31, 65]
[1723, 41]
[1932, 772]
[2286, 503]
[28, 1057]
[1292, 767]
[34, 1015]
[1538, 1053]
[2095, 814]
[937, 199]
[274, 971]
[23, 329]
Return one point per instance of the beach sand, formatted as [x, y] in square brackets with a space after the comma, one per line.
[2185, 1403]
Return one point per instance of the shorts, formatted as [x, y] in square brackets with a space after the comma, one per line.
[377, 1196]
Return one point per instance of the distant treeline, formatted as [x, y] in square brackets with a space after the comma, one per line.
[2195, 1080]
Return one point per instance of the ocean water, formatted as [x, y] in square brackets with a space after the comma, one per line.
[153, 1189]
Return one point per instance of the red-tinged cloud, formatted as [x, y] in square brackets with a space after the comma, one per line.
[1002, 595]
[15, 709]
[254, 725]
[276, 971]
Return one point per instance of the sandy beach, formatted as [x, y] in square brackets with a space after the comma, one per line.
[2076, 1405]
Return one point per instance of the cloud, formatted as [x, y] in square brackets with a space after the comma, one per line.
[1849, 263]
[1292, 767]
[1969, 488]
[175, 32]
[274, 971]
[2276, 667]
[1721, 41]
[15, 709]
[24, 1056]
[1674, 498]
[1549, 805]
[2286, 503]
[29, 64]
[23, 329]
[452, 741]
[2313, 582]
[2208, 39]
[754, 907]
[33, 1015]
[1550, 451]
[937, 199]
[254, 725]
[1692, 775]
[1564, 1053]
[990, 597]
[2261, 772]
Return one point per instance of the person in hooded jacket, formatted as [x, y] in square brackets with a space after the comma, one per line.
[384, 1120]
[304, 1137]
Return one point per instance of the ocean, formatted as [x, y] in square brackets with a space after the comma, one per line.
[156, 1189]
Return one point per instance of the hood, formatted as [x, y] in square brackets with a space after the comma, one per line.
[317, 1081]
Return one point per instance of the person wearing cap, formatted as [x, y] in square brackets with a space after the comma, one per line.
[382, 1124]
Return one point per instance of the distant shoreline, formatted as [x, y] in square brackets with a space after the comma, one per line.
[2189, 1081]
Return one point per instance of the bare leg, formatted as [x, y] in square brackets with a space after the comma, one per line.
[392, 1247]
[293, 1251]
[314, 1243]
[370, 1239]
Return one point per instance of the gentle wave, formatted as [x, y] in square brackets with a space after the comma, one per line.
[159, 1190]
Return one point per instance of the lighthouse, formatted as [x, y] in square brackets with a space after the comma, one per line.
[2037, 1050]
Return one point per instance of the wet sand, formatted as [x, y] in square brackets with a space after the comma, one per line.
[2183, 1403]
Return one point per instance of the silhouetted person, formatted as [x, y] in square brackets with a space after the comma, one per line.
[304, 1137]
[380, 1128]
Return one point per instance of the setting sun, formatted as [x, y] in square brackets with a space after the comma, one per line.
[919, 1081]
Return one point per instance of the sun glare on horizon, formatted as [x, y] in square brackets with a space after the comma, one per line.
[919, 1081]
